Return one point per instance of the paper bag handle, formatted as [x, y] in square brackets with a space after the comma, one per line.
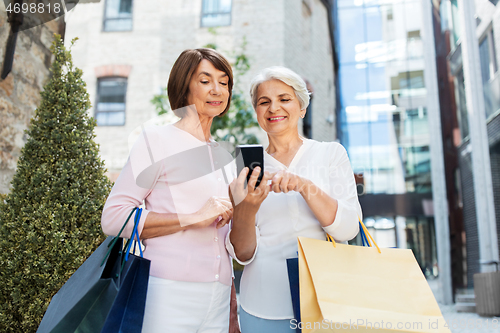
[364, 232]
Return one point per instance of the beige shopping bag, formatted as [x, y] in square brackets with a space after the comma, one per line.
[346, 288]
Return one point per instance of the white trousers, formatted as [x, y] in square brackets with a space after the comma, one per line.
[186, 307]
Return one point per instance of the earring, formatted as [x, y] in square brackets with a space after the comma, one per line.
[302, 115]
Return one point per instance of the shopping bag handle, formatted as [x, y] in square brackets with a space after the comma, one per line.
[367, 233]
[117, 237]
[364, 239]
[135, 234]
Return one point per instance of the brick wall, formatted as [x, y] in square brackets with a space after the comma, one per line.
[20, 91]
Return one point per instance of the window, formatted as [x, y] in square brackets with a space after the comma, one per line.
[457, 25]
[489, 69]
[110, 110]
[215, 13]
[118, 15]
[463, 118]
[390, 14]
[406, 83]
[488, 57]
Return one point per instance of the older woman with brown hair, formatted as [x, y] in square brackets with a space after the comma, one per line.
[187, 207]
[312, 192]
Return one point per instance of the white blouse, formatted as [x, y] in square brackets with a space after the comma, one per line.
[265, 290]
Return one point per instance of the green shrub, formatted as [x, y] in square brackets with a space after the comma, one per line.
[50, 220]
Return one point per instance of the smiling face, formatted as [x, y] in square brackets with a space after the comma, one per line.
[208, 90]
[278, 109]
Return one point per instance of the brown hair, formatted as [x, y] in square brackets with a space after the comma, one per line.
[183, 70]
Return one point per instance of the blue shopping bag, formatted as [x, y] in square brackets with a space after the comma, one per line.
[106, 294]
[292, 265]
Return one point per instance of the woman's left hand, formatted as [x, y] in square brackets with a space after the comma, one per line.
[284, 181]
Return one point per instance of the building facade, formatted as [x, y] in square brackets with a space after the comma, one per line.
[126, 50]
[472, 30]
[385, 124]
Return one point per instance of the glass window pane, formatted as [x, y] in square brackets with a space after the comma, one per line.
[118, 9]
[216, 13]
[110, 118]
[351, 34]
[209, 6]
[225, 6]
[412, 16]
[118, 15]
[106, 107]
[381, 77]
[125, 7]
[112, 8]
[118, 25]
[463, 119]
[379, 85]
[456, 21]
[111, 102]
[484, 55]
[112, 91]
[491, 91]
[353, 82]
[373, 17]
[214, 20]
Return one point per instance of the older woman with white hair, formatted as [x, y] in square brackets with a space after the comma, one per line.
[312, 192]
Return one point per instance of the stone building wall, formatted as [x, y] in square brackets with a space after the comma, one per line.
[274, 34]
[20, 91]
[308, 51]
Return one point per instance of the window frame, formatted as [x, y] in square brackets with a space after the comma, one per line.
[96, 108]
[104, 18]
[216, 13]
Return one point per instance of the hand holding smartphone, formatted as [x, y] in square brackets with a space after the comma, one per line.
[250, 156]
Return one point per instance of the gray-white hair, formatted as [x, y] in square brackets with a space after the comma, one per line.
[286, 76]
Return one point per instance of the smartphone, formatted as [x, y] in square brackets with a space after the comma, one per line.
[250, 156]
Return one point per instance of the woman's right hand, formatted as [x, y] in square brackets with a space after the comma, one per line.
[215, 209]
[249, 197]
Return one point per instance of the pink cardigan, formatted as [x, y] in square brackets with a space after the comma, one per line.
[158, 172]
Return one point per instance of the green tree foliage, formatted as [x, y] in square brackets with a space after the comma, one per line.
[234, 125]
[50, 220]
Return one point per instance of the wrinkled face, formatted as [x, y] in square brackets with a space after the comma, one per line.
[278, 109]
[208, 90]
